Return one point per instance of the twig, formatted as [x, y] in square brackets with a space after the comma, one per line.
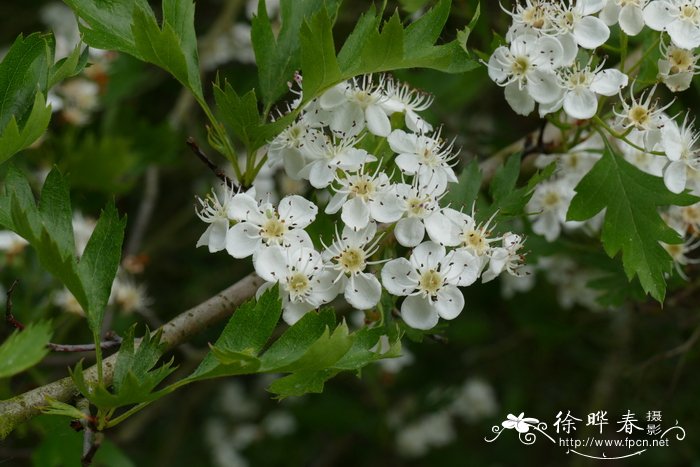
[148, 203]
[112, 341]
[220, 174]
[91, 438]
[9, 317]
[189, 323]
[674, 352]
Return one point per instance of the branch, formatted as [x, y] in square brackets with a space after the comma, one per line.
[111, 341]
[187, 324]
[9, 317]
[220, 174]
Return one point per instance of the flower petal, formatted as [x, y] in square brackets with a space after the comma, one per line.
[631, 20]
[657, 15]
[609, 82]
[296, 211]
[591, 32]
[409, 231]
[450, 302]
[363, 291]
[399, 277]
[580, 104]
[242, 240]
[377, 121]
[355, 213]
[419, 313]
[271, 264]
[427, 255]
[675, 176]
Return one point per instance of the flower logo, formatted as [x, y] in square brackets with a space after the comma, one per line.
[520, 423]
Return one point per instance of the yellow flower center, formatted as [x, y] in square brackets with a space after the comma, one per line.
[431, 281]
[352, 260]
[298, 284]
[273, 230]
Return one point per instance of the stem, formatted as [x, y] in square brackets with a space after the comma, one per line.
[645, 55]
[623, 50]
[187, 324]
[599, 123]
[98, 358]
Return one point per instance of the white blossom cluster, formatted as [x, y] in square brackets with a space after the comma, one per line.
[539, 63]
[391, 191]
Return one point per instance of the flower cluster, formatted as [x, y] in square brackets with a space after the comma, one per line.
[539, 64]
[385, 178]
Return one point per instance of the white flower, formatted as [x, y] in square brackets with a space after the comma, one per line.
[680, 145]
[287, 147]
[305, 284]
[328, 156]
[580, 87]
[574, 19]
[641, 113]
[403, 98]
[533, 16]
[626, 12]
[80, 98]
[348, 255]
[476, 400]
[679, 254]
[418, 203]
[218, 212]
[643, 160]
[677, 67]
[454, 228]
[429, 158]
[262, 225]
[353, 104]
[434, 430]
[129, 296]
[680, 18]
[525, 70]
[364, 197]
[550, 201]
[505, 258]
[429, 281]
[577, 162]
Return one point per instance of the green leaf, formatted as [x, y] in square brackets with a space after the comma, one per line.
[296, 340]
[632, 223]
[27, 221]
[24, 349]
[298, 384]
[62, 409]
[135, 377]
[106, 24]
[467, 189]
[463, 35]
[99, 263]
[323, 353]
[505, 179]
[68, 66]
[241, 115]
[508, 200]
[278, 58]
[318, 59]
[48, 228]
[131, 27]
[13, 138]
[23, 72]
[243, 338]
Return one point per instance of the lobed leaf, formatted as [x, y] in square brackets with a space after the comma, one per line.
[632, 222]
[24, 349]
